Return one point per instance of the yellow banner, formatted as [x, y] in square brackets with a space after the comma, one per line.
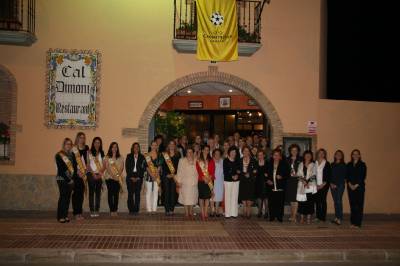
[217, 31]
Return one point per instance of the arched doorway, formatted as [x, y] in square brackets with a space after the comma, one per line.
[212, 75]
[8, 116]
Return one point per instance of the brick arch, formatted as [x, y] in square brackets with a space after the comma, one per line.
[212, 75]
[7, 77]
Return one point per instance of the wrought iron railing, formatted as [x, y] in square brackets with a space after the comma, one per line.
[248, 15]
[18, 15]
[4, 141]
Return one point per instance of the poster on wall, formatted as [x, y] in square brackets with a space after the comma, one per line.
[312, 127]
[72, 93]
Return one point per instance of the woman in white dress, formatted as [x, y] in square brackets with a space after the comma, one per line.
[218, 184]
[187, 182]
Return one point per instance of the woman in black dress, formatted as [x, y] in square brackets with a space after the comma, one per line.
[294, 159]
[261, 187]
[247, 177]
[356, 175]
[171, 155]
[278, 172]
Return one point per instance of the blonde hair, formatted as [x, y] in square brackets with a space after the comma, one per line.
[65, 142]
[78, 135]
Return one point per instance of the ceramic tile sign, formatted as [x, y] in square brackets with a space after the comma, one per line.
[312, 127]
[72, 88]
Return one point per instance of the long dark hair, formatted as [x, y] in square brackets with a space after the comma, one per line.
[202, 156]
[133, 146]
[93, 150]
[294, 146]
[334, 156]
[353, 151]
[308, 152]
[109, 153]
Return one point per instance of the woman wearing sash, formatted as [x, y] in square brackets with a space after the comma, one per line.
[153, 180]
[218, 184]
[114, 165]
[247, 176]
[169, 167]
[95, 176]
[187, 182]
[81, 152]
[206, 169]
[307, 187]
[294, 159]
[135, 165]
[356, 175]
[231, 183]
[324, 172]
[277, 174]
[66, 173]
[261, 184]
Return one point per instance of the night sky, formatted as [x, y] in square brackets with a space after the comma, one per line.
[362, 50]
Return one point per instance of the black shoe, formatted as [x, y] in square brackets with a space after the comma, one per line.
[280, 220]
[271, 219]
[266, 216]
[212, 214]
[259, 215]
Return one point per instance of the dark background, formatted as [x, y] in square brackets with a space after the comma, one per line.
[362, 50]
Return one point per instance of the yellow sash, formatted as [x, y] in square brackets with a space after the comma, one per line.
[206, 175]
[170, 165]
[67, 162]
[81, 167]
[115, 172]
[152, 168]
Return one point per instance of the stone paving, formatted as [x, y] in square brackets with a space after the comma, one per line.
[38, 236]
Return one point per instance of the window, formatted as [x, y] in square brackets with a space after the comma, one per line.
[7, 116]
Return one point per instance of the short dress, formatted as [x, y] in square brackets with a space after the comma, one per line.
[204, 189]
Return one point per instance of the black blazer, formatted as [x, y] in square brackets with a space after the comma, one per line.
[250, 169]
[62, 169]
[327, 173]
[356, 174]
[296, 163]
[283, 170]
[130, 166]
[230, 169]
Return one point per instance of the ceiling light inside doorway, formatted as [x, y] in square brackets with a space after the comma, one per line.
[230, 90]
[189, 91]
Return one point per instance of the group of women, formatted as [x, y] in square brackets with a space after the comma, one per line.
[210, 175]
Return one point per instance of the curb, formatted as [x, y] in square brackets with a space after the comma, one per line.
[50, 256]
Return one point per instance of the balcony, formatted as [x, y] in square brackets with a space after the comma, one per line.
[17, 22]
[249, 26]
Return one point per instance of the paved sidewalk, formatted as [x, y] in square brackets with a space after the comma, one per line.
[37, 237]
